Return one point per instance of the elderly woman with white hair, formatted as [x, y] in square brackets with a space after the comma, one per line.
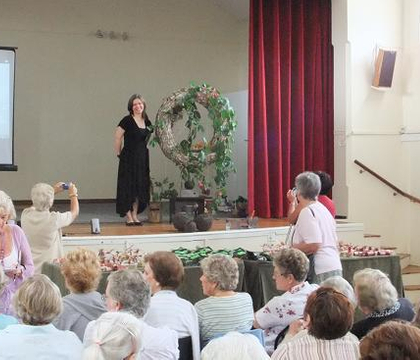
[225, 309]
[128, 291]
[116, 336]
[37, 302]
[378, 300]
[43, 227]
[341, 285]
[15, 254]
[234, 346]
[315, 231]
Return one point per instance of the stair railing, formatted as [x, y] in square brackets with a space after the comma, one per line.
[386, 182]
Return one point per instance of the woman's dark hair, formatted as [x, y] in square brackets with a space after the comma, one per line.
[326, 182]
[394, 340]
[130, 106]
[167, 269]
[330, 312]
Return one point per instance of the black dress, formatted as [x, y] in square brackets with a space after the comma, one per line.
[133, 170]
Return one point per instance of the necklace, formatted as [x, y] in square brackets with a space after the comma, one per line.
[3, 237]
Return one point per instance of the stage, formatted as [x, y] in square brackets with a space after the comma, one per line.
[163, 236]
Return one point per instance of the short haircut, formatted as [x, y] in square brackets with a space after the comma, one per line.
[292, 261]
[331, 314]
[42, 196]
[340, 284]
[222, 270]
[81, 270]
[37, 301]
[394, 340]
[234, 345]
[131, 290]
[6, 204]
[115, 335]
[167, 269]
[326, 182]
[308, 185]
[375, 291]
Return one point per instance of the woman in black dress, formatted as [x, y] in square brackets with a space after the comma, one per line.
[133, 189]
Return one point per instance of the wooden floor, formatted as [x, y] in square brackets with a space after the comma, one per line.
[115, 229]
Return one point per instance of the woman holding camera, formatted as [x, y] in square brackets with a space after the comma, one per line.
[43, 227]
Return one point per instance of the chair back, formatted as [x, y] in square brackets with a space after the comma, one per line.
[185, 348]
[258, 333]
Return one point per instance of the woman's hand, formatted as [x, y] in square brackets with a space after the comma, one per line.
[295, 327]
[15, 273]
[58, 187]
[291, 197]
[72, 190]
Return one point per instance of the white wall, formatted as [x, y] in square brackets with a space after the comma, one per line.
[72, 88]
[368, 122]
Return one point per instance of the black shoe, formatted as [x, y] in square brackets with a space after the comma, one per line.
[130, 223]
[138, 223]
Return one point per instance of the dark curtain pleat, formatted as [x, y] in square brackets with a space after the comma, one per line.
[291, 120]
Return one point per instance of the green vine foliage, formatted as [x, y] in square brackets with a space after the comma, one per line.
[218, 150]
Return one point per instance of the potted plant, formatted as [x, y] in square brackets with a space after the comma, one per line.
[160, 190]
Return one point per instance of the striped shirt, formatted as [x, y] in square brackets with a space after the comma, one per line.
[219, 315]
[304, 347]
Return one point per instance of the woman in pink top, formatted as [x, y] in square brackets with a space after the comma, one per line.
[15, 254]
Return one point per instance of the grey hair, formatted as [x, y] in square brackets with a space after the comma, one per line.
[308, 185]
[42, 196]
[222, 270]
[38, 300]
[375, 291]
[6, 203]
[131, 290]
[3, 279]
[292, 261]
[234, 345]
[341, 285]
[115, 336]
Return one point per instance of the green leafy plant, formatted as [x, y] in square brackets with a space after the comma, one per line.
[190, 156]
[162, 190]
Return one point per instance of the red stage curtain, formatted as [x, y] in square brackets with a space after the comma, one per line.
[290, 127]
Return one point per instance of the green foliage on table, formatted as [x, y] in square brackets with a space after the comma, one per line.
[193, 257]
[162, 189]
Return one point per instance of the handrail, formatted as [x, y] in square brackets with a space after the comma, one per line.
[386, 182]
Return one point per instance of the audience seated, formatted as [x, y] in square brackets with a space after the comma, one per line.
[290, 269]
[340, 284]
[378, 300]
[43, 227]
[82, 272]
[324, 331]
[393, 340]
[37, 302]
[115, 336]
[15, 254]
[164, 272]
[128, 291]
[234, 346]
[224, 310]
[5, 320]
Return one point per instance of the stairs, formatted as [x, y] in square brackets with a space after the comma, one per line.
[411, 281]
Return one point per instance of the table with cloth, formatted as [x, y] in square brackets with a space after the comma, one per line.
[190, 289]
[255, 277]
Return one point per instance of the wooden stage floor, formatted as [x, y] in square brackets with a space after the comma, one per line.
[120, 229]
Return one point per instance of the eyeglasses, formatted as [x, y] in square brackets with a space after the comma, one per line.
[278, 273]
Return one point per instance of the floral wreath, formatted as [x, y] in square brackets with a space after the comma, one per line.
[193, 157]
